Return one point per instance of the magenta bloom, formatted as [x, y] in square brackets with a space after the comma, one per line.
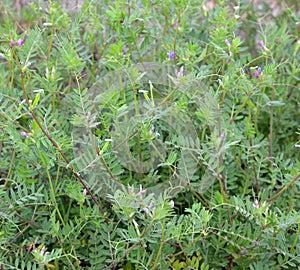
[171, 55]
[257, 73]
[20, 42]
[124, 49]
[175, 25]
[261, 43]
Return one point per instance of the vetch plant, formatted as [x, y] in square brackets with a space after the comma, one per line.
[137, 135]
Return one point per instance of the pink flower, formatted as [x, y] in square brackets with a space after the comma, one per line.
[175, 25]
[227, 42]
[20, 42]
[43, 250]
[124, 49]
[261, 43]
[142, 191]
[172, 203]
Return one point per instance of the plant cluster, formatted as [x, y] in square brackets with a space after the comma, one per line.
[149, 135]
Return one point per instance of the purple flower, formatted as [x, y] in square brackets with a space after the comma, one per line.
[278, 41]
[152, 129]
[257, 73]
[172, 10]
[171, 55]
[227, 42]
[142, 191]
[175, 25]
[24, 134]
[141, 5]
[20, 42]
[124, 49]
[151, 206]
[261, 43]
[84, 192]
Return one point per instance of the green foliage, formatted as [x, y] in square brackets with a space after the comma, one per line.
[117, 154]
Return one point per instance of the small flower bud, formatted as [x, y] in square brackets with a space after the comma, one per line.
[43, 250]
[151, 206]
[261, 43]
[20, 42]
[24, 134]
[257, 73]
[171, 55]
[142, 191]
[172, 203]
[152, 129]
[227, 42]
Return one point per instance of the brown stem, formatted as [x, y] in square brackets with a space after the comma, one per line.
[285, 188]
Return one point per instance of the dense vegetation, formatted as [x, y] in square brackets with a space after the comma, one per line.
[149, 135]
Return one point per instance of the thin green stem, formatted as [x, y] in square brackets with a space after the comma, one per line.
[161, 245]
[241, 108]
